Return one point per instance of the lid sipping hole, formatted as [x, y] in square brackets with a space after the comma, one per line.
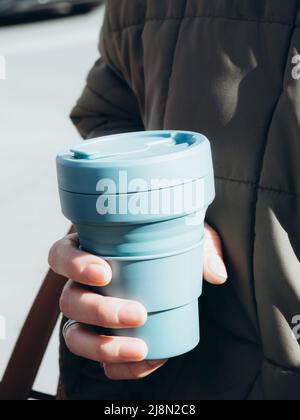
[181, 138]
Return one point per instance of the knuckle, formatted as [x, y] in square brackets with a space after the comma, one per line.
[75, 267]
[64, 301]
[100, 353]
[52, 256]
[99, 311]
[70, 339]
[108, 350]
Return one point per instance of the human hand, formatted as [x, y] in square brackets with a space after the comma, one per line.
[122, 358]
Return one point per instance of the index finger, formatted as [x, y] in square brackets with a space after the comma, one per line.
[66, 259]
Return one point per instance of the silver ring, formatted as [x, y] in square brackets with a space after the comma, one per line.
[68, 325]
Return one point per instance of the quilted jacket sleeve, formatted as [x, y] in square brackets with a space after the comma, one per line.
[107, 104]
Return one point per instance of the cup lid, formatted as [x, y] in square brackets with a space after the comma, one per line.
[135, 162]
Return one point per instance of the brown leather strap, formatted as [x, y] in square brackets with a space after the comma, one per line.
[33, 341]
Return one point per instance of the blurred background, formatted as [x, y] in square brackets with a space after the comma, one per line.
[47, 46]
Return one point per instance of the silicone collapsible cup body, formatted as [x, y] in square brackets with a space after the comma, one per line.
[156, 259]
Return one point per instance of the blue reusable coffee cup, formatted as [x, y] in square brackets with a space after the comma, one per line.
[139, 201]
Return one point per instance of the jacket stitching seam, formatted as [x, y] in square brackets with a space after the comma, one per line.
[280, 192]
[172, 65]
[237, 19]
[101, 96]
[236, 181]
[284, 369]
[259, 187]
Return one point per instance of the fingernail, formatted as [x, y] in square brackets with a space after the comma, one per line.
[132, 314]
[217, 267]
[133, 350]
[98, 274]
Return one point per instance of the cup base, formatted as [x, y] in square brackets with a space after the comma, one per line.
[169, 333]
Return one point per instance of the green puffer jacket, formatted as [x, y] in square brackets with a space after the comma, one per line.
[228, 69]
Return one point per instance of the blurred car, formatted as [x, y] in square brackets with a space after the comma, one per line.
[13, 8]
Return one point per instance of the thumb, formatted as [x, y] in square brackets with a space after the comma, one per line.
[214, 268]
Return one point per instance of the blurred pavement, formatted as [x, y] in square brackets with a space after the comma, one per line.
[47, 64]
